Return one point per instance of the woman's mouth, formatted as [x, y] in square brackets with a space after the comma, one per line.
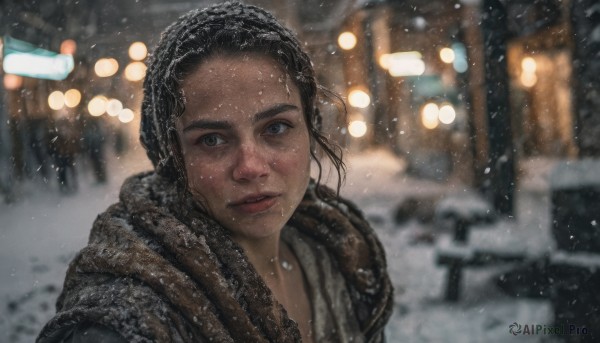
[253, 204]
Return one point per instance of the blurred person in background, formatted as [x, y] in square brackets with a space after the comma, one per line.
[37, 114]
[64, 145]
[94, 139]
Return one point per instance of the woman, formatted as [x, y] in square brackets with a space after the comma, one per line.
[228, 239]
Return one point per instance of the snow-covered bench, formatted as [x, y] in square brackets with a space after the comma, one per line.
[465, 212]
[575, 266]
[569, 274]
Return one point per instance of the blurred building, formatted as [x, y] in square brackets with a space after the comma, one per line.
[468, 88]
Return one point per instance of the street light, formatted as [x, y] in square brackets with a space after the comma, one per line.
[106, 67]
[447, 55]
[359, 98]
[407, 63]
[135, 71]
[528, 68]
[125, 115]
[56, 100]
[528, 80]
[385, 61]
[357, 128]
[347, 40]
[72, 97]
[12, 81]
[138, 51]
[113, 107]
[447, 114]
[430, 115]
[68, 47]
[528, 65]
[97, 106]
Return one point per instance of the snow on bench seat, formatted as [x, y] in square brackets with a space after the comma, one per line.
[463, 211]
[466, 206]
[582, 260]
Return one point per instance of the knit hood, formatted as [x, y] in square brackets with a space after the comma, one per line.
[230, 27]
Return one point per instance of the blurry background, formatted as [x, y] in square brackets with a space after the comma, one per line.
[453, 87]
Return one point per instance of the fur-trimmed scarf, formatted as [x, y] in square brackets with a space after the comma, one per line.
[158, 270]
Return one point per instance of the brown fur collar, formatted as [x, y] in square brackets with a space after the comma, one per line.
[158, 270]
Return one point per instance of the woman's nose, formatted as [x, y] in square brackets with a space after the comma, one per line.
[250, 164]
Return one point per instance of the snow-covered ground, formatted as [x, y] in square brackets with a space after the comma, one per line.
[41, 232]
[483, 314]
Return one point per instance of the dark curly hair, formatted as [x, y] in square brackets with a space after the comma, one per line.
[226, 28]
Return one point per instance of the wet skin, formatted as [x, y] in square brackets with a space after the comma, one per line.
[246, 149]
[245, 143]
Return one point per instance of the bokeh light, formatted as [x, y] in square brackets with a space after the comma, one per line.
[528, 65]
[135, 71]
[430, 116]
[347, 40]
[384, 61]
[56, 100]
[126, 115]
[113, 107]
[528, 79]
[447, 55]
[357, 128]
[12, 81]
[404, 63]
[97, 106]
[106, 67]
[359, 98]
[447, 114]
[72, 97]
[138, 51]
[68, 47]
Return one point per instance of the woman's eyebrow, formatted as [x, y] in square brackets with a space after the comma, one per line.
[208, 124]
[273, 111]
[225, 125]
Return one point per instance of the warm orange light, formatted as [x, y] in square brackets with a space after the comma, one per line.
[126, 115]
[138, 51]
[12, 81]
[113, 107]
[447, 55]
[357, 128]
[385, 61]
[72, 97]
[56, 100]
[68, 47]
[403, 63]
[447, 114]
[97, 106]
[135, 71]
[359, 98]
[347, 40]
[528, 79]
[106, 67]
[528, 65]
[430, 116]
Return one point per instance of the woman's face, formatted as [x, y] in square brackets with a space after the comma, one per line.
[245, 143]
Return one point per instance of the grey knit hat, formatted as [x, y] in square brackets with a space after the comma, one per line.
[229, 27]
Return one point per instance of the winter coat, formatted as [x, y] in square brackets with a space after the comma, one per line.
[157, 269]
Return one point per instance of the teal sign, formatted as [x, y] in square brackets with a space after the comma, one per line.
[25, 59]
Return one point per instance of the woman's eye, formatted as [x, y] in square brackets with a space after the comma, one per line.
[277, 128]
[211, 140]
